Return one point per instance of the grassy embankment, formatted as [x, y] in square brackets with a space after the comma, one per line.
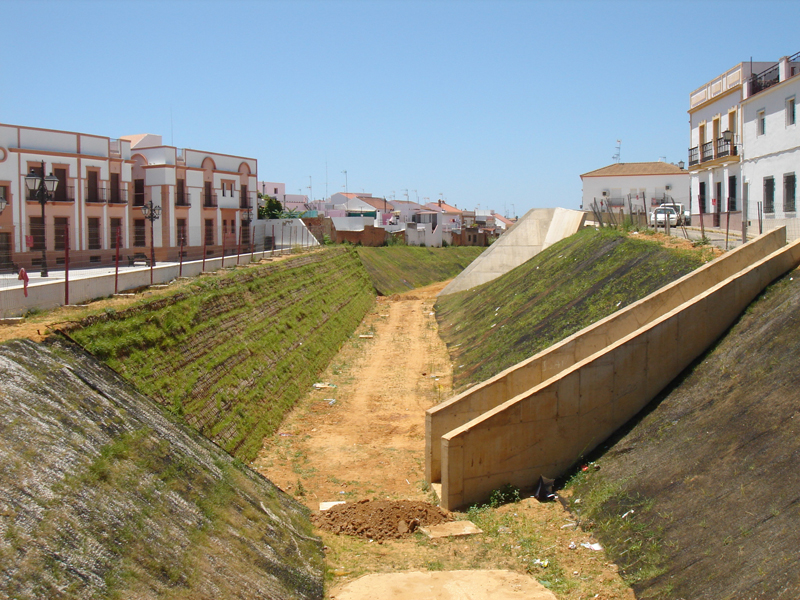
[396, 269]
[699, 497]
[563, 289]
[235, 351]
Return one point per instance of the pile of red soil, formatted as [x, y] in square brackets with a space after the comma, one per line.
[380, 519]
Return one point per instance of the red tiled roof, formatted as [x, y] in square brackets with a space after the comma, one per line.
[642, 168]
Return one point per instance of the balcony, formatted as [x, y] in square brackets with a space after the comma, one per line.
[209, 199]
[694, 156]
[707, 152]
[725, 148]
[246, 200]
[118, 196]
[182, 199]
[63, 193]
[95, 195]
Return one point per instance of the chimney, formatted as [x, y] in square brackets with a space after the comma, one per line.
[440, 204]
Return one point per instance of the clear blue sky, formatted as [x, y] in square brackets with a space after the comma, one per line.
[496, 104]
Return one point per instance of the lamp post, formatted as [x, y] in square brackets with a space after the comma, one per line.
[42, 188]
[151, 213]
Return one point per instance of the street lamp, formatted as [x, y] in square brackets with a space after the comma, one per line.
[151, 213]
[41, 189]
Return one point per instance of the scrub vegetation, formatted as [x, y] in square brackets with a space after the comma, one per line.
[563, 289]
[397, 269]
[233, 352]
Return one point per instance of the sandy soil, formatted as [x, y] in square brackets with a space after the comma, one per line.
[364, 439]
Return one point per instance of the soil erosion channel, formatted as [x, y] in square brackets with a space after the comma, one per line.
[364, 439]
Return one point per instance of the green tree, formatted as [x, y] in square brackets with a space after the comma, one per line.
[270, 208]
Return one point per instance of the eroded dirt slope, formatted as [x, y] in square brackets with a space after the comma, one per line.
[701, 498]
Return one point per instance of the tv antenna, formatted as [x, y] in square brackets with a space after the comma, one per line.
[615, 158]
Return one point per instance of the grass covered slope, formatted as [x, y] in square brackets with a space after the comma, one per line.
[237, 350]
[709, 475]
[563, 289]
[396, 269]
[102, 496]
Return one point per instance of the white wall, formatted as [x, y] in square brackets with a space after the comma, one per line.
[647, 187]
[776, 152]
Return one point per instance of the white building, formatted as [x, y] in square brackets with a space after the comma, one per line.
[771, 147]
[635, 187]
[103, 183]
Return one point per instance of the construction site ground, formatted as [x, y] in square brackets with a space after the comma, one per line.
[361, 436]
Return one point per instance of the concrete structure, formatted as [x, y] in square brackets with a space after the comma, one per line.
[635, 187]
[543, 414]
[535, 231]
[771, 147]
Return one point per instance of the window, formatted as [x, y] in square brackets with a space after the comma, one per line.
[94, 233]
[769, 195]
[790, 111]
[275, 190]
[732, 192]
[4, 192]
[60, 236]
[789, 185]
[139, 235]
[36, 241]
[209, 237]
[246, 233]
[116, 229]
[180, 193]
[181, 231]
[701, 198]
[115, 189]
[92, 186]
[138, 192]
[761, 123]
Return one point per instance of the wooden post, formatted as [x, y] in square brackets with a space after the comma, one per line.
[66, 265]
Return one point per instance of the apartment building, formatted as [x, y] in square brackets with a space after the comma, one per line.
[771, 146]
[103, 183]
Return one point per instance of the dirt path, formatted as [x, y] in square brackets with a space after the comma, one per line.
[365, 437]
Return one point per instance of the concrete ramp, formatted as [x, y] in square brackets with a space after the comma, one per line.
[542, 415]
[535, 231]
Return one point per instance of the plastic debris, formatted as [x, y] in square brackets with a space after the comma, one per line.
[572, 545]
[542, 563]
[544, 489]
[323, 386]
[330, 401]
[594, 546]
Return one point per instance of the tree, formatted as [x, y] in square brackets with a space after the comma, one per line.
[270, 208]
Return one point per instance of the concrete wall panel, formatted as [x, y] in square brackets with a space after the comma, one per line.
[596, 395]
[548, 363]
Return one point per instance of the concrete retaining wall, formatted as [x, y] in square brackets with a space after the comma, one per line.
[480, 398]
[544, 430]
[535, 231]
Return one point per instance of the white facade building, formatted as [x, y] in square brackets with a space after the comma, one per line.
[771, 147]
[635, 187]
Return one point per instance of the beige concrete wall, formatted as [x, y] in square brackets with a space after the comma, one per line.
[475, 401]
[538, 229]
[544, 430]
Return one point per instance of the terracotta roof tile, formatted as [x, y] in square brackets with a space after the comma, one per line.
[642, 168]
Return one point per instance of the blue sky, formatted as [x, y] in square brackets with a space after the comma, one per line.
[492, 104]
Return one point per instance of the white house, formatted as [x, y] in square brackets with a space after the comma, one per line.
[635, 187]
[770, 145]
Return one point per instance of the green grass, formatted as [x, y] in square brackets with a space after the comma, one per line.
[237, 350]
[396, 269]
[565, 288]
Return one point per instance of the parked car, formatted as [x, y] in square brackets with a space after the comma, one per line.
[684, 216]
[659, 216]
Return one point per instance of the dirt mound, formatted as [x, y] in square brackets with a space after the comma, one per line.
[380, 519]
